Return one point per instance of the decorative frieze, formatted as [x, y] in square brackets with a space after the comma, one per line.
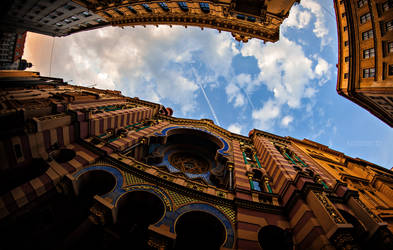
[330, 208]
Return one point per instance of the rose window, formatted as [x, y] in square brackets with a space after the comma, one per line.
[189, 163]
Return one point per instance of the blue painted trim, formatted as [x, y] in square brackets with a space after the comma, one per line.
[171, 218]
[116, 173]
[151, 189]
[117, 191]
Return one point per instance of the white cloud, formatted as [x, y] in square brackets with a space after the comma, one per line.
[284, 69]
[320, 30]
[236, 89]
[234, 95]
[288, 73]
[286, 120]
[265, 117]
[235, 128]
[322, 70]
[151, 63]
[297, 18]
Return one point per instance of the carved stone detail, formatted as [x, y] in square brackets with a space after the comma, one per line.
[330, 208]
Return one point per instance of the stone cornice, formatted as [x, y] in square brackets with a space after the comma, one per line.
[271, 137]
[205, 123]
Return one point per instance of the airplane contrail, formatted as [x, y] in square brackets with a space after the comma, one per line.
[207, 99]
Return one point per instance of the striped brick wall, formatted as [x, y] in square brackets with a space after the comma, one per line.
[276, 165]
[29, 191]
[325, 176]
[239, 172]
[250, 222]
[307, 232]
[34, 145]
[117, 119]
[95, 104]
[134, 136]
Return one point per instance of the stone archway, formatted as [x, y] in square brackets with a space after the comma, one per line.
[141, 207]
[88, 232]
[95, 182]
[274, 238]
[136, 211]
[199, 230]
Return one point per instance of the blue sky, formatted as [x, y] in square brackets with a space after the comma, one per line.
[286, 88]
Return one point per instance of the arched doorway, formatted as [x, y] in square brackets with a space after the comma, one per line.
[85, 233]
[199, 230]
[274, 238]
[136, 211]
[95, 182]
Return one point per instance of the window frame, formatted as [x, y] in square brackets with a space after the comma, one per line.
[163, 6]
[368, 72]
[362, 3]
[367, 34]
[386, 6]
[368, 53]
[388, 26]
[183, 6]
[365, 18]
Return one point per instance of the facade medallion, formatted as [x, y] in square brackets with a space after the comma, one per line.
[188, 162]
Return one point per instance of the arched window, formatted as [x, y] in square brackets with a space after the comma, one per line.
[257, 181]
[136, 211]
[199, 230]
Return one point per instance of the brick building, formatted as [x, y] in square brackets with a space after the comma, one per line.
[90, 168]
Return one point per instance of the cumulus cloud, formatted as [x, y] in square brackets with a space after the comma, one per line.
[151, 63]
[265, 117]
[235, 128]
[288, 73]
[286, 120]
[298, 18]
[234, 95]
[284, 69]
[237, 89]
[322, 70]
[320, 30]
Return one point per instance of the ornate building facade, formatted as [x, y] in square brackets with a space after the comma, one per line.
[245, 19]
[89, 168]
[365, 60]
[52, 18]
